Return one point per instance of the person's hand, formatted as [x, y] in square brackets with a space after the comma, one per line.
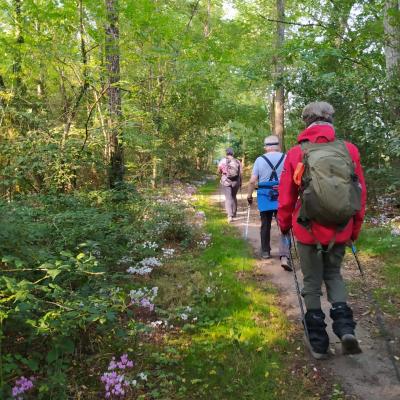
[249, 200]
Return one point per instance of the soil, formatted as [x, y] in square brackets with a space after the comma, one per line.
[367, 376]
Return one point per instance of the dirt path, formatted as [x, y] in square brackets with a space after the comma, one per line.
[368, 376]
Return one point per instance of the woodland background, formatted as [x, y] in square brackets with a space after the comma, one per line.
[105, 106]
[92, 91]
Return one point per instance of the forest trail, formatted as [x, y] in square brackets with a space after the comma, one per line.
[368, 376]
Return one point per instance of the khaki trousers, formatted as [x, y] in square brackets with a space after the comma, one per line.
[318, 268]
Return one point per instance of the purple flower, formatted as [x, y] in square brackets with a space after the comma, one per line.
[22, 385]
[115, 382]
[146, 303]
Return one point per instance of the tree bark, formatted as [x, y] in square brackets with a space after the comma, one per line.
[207, 28]
[391, 25]
[16, 68]
[278, 106]
[71, 114]
[392, 32]
[112, 55]
[2, 89]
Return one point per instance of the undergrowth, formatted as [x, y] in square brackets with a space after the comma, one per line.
[139, 296]
[379, 248]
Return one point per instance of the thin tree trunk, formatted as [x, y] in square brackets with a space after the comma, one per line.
[154, 173]
[279, 98]
[40, 85]
[2, 88]
[16, 68]
[392, 33]
[70, 115]
[207, 28]
[392, 54]
[102, 125]
[116, 172]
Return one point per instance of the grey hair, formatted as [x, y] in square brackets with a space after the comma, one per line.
[272, 143]
[318, 111]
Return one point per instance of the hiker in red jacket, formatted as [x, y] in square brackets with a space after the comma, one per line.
[320, 233]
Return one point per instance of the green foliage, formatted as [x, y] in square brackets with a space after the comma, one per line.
[339, 59]
[380, 242]
[64, 289]
[180, 89]
[230, 339]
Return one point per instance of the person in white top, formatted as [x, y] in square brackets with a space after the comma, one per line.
[230, 170]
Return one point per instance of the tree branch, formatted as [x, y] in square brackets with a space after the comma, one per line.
[291, 23]
[103, 92]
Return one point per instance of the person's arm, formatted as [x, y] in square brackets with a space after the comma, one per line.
[251, 186]
[252, 183]
[288, 193]
[359, 216]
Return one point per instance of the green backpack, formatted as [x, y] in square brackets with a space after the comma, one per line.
[331, 192]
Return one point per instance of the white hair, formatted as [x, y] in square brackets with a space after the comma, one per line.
[271, 143]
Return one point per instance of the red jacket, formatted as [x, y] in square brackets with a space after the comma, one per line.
[289, 201]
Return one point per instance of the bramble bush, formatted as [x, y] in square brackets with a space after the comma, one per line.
[69, 284]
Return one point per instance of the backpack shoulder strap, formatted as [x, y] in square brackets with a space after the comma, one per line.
[267, 160]
[239, 165]
[280, 161]
[274, 174]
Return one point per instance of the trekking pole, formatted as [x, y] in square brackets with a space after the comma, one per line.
[241, 198]
[246, 229]
[294, 244]
[296, 282]
[378, 314]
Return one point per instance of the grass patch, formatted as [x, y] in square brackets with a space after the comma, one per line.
[380, 249]
[241, 345]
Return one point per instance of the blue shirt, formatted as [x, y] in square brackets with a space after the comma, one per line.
[263, 171]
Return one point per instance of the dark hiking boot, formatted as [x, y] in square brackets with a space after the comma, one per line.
[343, 327]
[318, 340]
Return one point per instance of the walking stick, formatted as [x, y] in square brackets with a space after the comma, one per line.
[294, 244]
[378, 314]
[246, 229]
[296, 282]
[241, 199]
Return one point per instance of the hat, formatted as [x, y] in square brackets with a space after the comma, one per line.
[318, 111]
[229, 151]
[271, 141]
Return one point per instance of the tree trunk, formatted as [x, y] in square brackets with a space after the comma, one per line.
[392, 33]
[279, 97]
[16, 68]
[154, 173]
[2, 89]
[207, 29]
[392, 55]
[71, 114]
[112, 54]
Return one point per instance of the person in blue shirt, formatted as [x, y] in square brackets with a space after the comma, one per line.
[267, 170]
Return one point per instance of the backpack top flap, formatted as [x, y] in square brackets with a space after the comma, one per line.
[331, 193]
